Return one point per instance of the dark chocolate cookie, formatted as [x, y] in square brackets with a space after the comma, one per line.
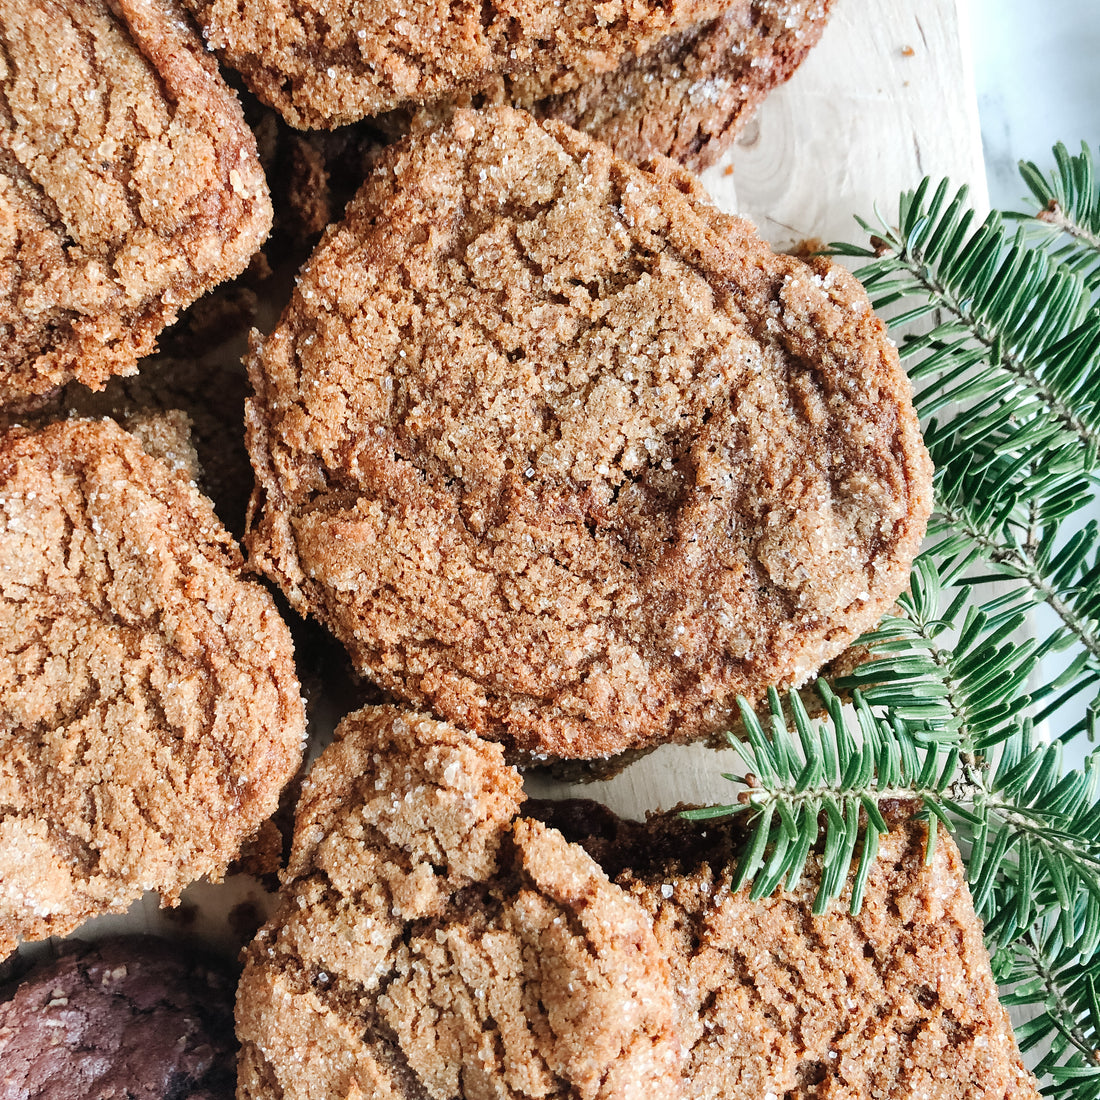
[132, 1017]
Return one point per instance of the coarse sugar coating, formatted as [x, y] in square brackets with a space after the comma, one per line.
[129, 185]
[439, 937]
[430, 945]
[149, 708]
[131, 1016]
[205, 398]
[895, 1003]
[561, 451]
[679, 80]
[328, 63]
[691, 94]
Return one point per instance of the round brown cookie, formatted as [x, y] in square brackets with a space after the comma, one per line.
[328, 63]
[430, 945]
[692, 94]
[132, 1017]
[149, 708]
[130, 185]
[563, 452]
[897, 1001]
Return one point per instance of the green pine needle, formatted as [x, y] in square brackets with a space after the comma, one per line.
[1067, 219]
[810, 779]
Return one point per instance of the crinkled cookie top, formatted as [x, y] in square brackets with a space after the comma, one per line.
[429, 944]
[129, 185]
[149, 708]
[328, 62]
[558, 449]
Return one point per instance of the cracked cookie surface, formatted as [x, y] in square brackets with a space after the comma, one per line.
[429, 944]
[679, 80]
[895, 1002]
[561, 451]
[691, 94]
[149, 708]
[440, 937]
[328, 63]
[129, 185]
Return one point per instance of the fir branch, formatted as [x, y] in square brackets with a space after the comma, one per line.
[1067, 218]
[1021, 351]
[1044, 969]
[1066, 577]
[1033, 832]
[824, 780]
[972, 693]
[1043, 825]
[1008, 306]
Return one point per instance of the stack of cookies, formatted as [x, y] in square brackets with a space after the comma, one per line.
[568, 461]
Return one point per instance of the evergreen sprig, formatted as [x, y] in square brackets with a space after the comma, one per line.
[1045, 970]
[972, 692]
[1031, 828]
[811, 778]
[1013, 323]
[1067, 218]
[1010, 390]
[946, 709]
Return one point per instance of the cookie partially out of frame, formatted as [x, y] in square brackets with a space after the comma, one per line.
[648, 78]
[564, 453]
[129, 185]
[896, 1002]
[429, 945]
[329, 63]
[131, 1017]
[691, 94]
[149, 708]
[440, 938]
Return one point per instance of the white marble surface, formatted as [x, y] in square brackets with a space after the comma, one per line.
[1037, 71]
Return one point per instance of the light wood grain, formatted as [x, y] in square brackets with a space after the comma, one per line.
[886, 98]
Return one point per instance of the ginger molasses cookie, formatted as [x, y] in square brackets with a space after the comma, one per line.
[129, 185]
[691, 94]
[896, 1001]
[678, 79]
[561, 451]
[429, 945]
[329, 63]
[131, 1017]
[440, 938]
[149, 707]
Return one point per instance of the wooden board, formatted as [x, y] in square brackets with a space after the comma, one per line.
[886, 98]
